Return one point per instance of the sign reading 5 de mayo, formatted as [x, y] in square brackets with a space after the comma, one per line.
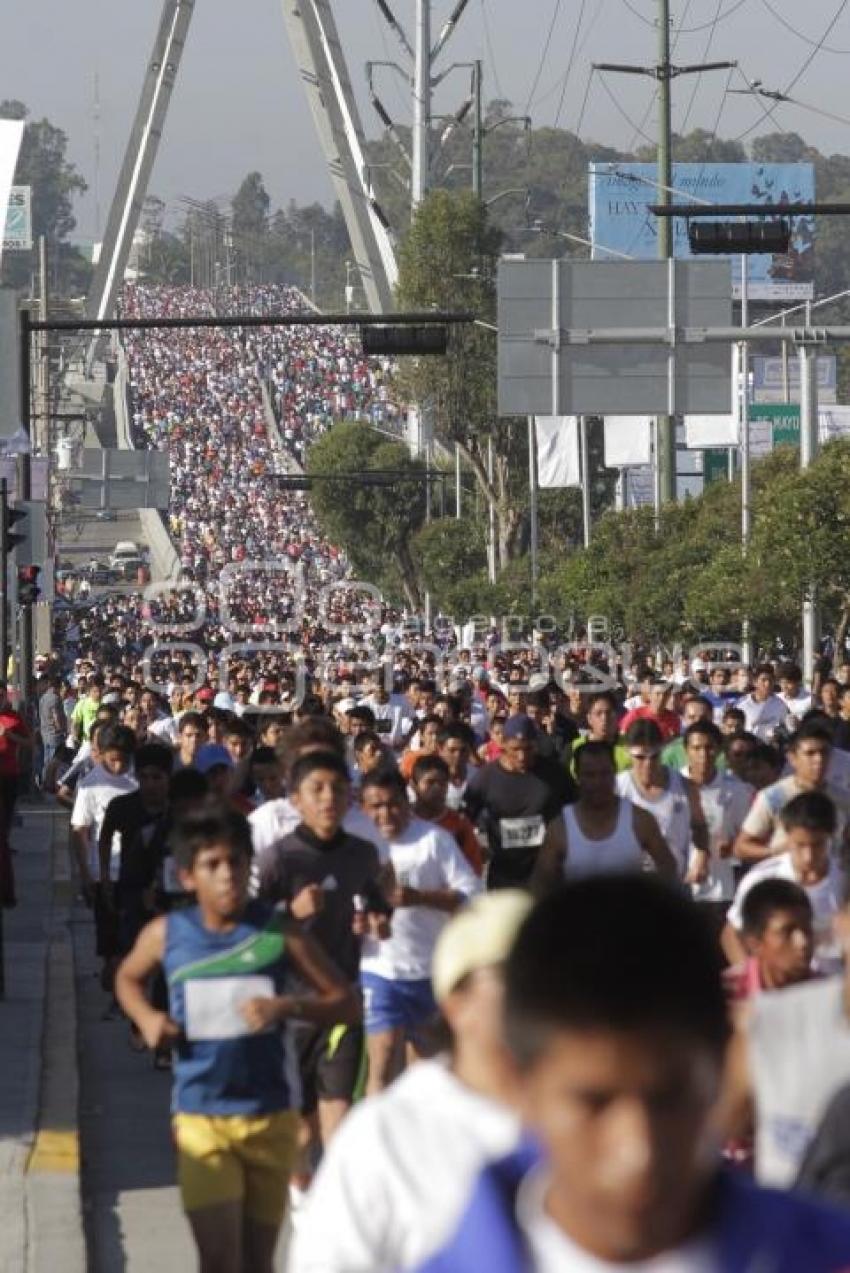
[620, 195]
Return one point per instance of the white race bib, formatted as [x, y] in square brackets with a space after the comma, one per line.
[213, 1003]
[522, 833]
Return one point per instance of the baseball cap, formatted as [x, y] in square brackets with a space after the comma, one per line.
[521, 727]
[205, 694]
[480, 936]
[211, 755]
[345, 705]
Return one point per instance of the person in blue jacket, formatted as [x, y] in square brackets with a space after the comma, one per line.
[616, 1019]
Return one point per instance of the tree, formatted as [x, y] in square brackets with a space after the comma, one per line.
[373, 524]
[250, 211]
[55, 181]
[450, 553]
[448, 261]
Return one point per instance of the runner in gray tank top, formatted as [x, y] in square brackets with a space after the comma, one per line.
[604, 833]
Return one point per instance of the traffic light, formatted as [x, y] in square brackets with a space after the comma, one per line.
[735, 238]
[422, 340]
[28, 586]
[14, 515]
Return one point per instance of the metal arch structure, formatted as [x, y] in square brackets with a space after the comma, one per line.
[315, 43]
[139, 159]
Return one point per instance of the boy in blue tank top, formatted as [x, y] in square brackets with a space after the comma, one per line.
[230, 963]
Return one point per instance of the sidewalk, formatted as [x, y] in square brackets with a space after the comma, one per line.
[39, 1154]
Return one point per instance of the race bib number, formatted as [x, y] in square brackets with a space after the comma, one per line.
[522, 833]
[170, 878]
[213, 1005]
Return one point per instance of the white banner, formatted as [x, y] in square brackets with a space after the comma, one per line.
[11, 132]
[710, 430]
[833, 422]
[558, 459]
[628, 441]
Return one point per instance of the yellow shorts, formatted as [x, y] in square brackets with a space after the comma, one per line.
[235, 1159]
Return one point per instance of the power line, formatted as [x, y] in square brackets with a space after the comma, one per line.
[570, 61]
[622, 111]
[654, 96]
[711, 34]
[489, 42]
[584, 103]
[678, 28]
[818, 47]
[555, 87]
[544, 54]
[801, 35]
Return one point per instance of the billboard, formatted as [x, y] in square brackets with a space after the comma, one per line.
[769, 378]
[620, 195]
[17, 235]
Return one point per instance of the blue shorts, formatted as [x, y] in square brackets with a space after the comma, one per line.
[396, 1005]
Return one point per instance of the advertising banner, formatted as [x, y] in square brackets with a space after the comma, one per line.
[620, 195]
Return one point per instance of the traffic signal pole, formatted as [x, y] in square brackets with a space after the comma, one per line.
[27, 661]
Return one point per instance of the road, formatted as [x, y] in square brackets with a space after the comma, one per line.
[133, 1218]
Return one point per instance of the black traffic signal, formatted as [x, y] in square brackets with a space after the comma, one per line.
[735, 238]
[14, 515]
[422, 340]
[28, 586]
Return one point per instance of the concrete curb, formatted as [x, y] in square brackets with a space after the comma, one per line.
[54, 1205]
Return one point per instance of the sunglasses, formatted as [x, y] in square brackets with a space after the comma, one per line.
[643, 755]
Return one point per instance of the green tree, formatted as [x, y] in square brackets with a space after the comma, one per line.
[375, 525]
[448, 261]
[250, 212]
[43, 164]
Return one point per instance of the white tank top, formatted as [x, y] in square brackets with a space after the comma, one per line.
[619, 851]
[671, 810]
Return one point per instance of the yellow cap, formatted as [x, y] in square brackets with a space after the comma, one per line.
[479, 936]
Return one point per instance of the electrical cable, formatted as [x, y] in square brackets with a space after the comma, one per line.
[544, 54]
[570, 62]
[698, 77]
[622, 111]
[783, 21]
[489, 42]
[678, 29]
[555, 87]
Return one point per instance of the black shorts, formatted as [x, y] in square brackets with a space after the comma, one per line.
[331, 1060]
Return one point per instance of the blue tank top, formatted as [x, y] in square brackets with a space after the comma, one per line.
[220, 1068]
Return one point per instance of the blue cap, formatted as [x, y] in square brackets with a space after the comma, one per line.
[210, 755]
[521, 727]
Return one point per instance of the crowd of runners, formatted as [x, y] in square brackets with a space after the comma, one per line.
[461, 959]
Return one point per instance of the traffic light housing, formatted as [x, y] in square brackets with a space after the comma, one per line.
[421, 340]
[14, 515]
[29, 589]
[735, 238]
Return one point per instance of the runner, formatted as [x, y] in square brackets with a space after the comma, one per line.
[323, 874]
[619, 1032]
[456, 744]
[15, 741]
[777, 930]
[432, 880]
[516, 810]
[765, 713]
[725, 803]
[603, 833]
[603, 726]
[392, 1184]
[430, 783]
[234, 1097]
[809, 823]
[663, 792]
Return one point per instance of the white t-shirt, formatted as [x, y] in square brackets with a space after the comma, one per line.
[826, 899]
[798, 705]
[165, 728]
[725, 803]
[94, 794]
[395, 1179]
[763, 719]
[553, 1251]
[424, 856]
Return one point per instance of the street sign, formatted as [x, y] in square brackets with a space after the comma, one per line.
[783, 419]
[550, 364]
[17, 234]
[112, 478]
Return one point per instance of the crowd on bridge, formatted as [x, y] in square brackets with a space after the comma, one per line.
[465, 959]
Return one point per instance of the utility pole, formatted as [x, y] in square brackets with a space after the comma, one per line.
[664, 72]
[421, 174]
[808, 451]
[477, 133]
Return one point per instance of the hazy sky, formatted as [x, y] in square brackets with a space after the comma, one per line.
[239, 104]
